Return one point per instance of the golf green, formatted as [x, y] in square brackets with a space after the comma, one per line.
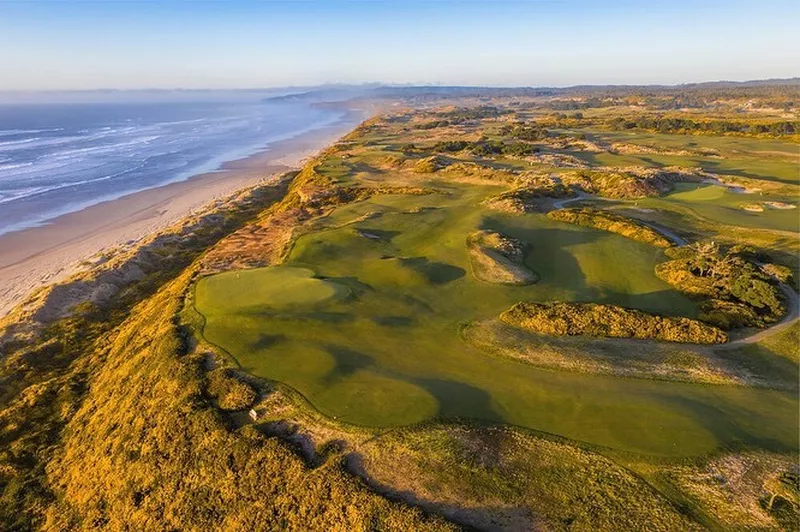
[374, 339]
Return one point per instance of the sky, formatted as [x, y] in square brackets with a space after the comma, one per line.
[69, 45]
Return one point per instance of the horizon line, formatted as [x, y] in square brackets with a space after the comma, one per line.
[375, 84]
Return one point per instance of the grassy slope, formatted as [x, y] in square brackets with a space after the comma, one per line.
[160, 458]
[611, 222]
[391, 355]
[142, 445]
[524, 479]
[497, 259]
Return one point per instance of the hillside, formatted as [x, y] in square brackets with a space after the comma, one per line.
[323, 351]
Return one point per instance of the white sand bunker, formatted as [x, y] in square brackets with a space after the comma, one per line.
[760, 207]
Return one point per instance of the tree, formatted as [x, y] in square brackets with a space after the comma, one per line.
[706, 255]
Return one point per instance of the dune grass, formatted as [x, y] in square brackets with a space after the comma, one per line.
[721, 205]
[771, 160]
[495, 258]
[608, 321]
[391, 353]
[508, 479]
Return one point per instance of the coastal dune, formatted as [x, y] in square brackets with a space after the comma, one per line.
[38, 256]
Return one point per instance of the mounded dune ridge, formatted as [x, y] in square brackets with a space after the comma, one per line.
[120, 414]
[496, 258]
[612, 321]
[611, 222]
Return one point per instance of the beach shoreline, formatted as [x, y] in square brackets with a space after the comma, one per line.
[38, 256]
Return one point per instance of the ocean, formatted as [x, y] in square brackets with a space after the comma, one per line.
[59, 158]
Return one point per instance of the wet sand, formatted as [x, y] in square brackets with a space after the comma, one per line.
[42, 255]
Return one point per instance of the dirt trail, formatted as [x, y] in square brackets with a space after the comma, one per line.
[559, 204]
[793, 301]
[663, 231]
[785, 323]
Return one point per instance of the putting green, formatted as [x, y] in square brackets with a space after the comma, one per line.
[390, 353]
[252, 291]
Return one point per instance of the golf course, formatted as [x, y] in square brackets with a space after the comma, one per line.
[508, 311]
[373, 337]
[365, 315]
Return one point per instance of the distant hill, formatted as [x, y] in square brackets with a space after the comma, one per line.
[711, 89]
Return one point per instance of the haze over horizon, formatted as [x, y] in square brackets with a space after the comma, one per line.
[73, 45]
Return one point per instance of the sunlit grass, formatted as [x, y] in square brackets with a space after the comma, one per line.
[390, 354]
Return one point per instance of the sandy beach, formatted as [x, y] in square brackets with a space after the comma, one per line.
[49, 253]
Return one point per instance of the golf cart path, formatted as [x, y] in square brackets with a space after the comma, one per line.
[793, 301]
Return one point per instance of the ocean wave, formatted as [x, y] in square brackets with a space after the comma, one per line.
[180, 122]
[9, 132]
[86, 160]
[7, 195]
[19, 141]
[14, 166]
[106, 148]
[33, 143]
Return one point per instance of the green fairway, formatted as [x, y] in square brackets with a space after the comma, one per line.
[720, 204]
[374, 340]
[769, 160]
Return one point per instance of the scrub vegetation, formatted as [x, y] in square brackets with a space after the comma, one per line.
[739, 292]
[613, 222]
[611, 321]
[415, 332]
[496, 258]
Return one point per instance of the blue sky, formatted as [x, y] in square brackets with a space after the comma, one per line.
[245, 44]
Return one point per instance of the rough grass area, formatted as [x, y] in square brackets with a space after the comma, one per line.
[161, 458]
[741, 491]
[612, 222]
[231, 393]
[504, 479]
[604, 356]
[608, 321]
[496, 258]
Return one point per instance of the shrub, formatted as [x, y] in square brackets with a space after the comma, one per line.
[702, 269]
[714, 127]
[611, 321]
[524, 199]
[429, 165]
[728, 315]
[779, 272]
[487, 148]
[230, 392]
[612, 222]
[451, 146]
[756, 293]
[433, 124]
